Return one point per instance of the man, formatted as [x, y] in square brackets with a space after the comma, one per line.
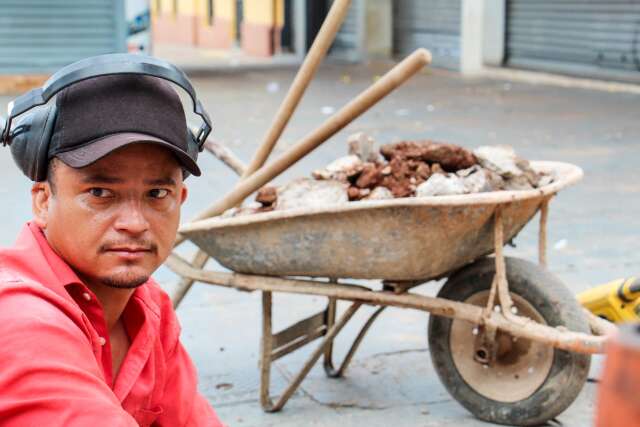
[87, 338]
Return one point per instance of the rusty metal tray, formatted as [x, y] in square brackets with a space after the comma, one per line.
[399, 239]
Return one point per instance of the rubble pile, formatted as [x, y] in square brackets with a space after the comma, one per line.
[402, 169]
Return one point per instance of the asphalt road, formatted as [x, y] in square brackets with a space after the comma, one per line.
[593, 230]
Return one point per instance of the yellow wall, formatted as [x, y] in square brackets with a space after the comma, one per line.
[266, 12]
[222, 9]
[185, 7]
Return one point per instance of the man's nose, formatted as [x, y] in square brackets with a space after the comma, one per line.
[131, 218]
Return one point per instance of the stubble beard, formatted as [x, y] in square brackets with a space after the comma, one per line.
[124, 282]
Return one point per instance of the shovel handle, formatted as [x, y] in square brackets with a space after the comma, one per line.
[318, 50]
[356, 107]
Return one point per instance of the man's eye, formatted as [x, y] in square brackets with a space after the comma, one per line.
[100, 192]
[158, 193]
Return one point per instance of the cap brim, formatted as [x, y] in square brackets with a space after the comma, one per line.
[94, 151]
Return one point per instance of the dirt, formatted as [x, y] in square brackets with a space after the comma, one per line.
[450, 157]
[267, 196]
[409, 164]
[405, 166]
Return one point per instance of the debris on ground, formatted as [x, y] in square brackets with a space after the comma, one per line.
[402, 169]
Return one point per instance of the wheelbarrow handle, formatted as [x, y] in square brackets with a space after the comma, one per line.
[305, 74]
[363, 102]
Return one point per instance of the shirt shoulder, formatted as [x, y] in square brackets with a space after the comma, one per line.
[9, 271]
[24, 301]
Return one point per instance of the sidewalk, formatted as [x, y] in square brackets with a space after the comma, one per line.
[197, 61]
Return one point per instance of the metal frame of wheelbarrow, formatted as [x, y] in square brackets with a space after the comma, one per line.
[325, 326]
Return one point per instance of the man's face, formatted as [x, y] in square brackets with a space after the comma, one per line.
[115, 221]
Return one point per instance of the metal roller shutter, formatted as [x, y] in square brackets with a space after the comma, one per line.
[347, 44]
[40, 36]
[599, 38]
[432, 24]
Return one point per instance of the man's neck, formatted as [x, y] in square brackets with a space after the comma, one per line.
[113, 302]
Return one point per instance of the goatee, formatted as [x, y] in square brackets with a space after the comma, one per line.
[124, 283]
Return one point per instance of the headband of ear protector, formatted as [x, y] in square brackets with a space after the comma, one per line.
[35, 128]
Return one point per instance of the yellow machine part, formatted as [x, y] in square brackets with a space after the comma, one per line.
[617, 301]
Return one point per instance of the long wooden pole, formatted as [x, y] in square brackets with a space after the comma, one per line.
[305, 74]
[381, 88]
[317, 52]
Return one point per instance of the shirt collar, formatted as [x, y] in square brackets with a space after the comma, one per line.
[52, 271]
[62, 271]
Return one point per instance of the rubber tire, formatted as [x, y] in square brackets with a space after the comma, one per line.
[557, 305]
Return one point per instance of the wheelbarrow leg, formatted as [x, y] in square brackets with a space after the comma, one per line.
[328, 354]
[330, 320]
[542, 236]
[267, 354]
[265, 351]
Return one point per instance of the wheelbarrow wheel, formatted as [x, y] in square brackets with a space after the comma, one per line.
[528, 383]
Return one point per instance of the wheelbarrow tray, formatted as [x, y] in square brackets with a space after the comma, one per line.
[406, 239]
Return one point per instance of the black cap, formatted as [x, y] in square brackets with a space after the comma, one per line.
[102, 114]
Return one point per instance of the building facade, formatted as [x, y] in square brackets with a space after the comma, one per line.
[39, 37]
[254, 25]
[586, 38]
[593, 38]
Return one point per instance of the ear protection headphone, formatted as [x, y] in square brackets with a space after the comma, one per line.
[31, 135]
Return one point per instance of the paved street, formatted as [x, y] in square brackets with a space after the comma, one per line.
[593, 231]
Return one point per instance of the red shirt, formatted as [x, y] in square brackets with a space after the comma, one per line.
[55, 357]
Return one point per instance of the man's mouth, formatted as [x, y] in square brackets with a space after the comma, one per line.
[129, 252]
[129, 249]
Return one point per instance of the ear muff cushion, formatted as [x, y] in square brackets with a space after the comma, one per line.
[192, 150]
[30, 137]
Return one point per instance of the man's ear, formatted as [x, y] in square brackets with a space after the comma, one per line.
[184, 192]
[40, 198]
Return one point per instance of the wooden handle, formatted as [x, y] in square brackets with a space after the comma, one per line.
[225, 155]
[385, 85]
[318, 50]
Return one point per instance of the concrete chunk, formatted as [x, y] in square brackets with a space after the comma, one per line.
[309, 193]
[441, 185]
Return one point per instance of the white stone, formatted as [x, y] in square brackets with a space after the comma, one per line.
[518, 183]
[500, 159]
[380, 193]
[363, 146]
[475, 180]
[441, 185]
[344, 164]
[308, 193]
[340, 169]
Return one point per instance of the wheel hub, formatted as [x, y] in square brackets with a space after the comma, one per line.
[519, 366]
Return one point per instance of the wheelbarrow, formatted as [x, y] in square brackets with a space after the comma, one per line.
[508, 340]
